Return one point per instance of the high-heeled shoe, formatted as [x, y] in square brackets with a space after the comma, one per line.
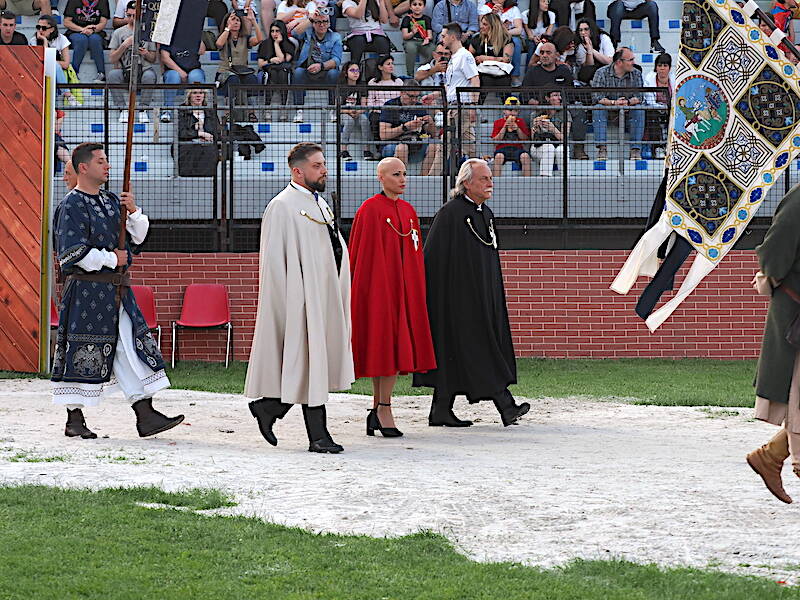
[373, 423]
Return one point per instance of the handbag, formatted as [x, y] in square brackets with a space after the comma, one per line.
[72, 77]
[793, 331]
[238, 70]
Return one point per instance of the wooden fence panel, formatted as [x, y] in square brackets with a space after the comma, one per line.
[21, 148]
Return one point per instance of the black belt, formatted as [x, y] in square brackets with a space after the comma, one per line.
[116, 279]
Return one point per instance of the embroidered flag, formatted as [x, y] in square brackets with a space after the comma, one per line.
[735, 127]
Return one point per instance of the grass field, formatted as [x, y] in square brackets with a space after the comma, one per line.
[81, 544]
[690, 382]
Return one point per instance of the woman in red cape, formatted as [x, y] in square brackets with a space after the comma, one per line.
[391, 331]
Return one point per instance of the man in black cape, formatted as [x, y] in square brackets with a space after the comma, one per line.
[467, 305]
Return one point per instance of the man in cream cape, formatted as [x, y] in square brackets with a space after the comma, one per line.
[301, 348]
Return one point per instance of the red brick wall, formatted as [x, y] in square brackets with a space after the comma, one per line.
[559, 303]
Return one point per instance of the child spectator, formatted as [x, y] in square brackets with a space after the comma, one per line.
[417, 36]
[510, 128]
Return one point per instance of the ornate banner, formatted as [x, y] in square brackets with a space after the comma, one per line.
[735, 127]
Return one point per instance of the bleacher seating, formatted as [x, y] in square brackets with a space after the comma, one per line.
[154, 161]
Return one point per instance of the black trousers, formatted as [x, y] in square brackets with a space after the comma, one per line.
[358, 45]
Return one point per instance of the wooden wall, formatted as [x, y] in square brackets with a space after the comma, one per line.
[21, 143]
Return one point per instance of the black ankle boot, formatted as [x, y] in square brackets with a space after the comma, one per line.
[149, 421]
[76, 425]
[267, 411]
[509, 410]
[319, 440]
[442, 415]
[374, 422]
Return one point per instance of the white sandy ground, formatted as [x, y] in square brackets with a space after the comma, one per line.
[577, 478]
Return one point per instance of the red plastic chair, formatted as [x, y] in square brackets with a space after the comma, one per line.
[147, 304]
[53, 314]
[205, 306]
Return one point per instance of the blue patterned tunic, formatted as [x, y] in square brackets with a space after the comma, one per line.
[88, 315]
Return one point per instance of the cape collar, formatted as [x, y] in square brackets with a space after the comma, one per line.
[384, 196]
[304, 191]
[478, 207]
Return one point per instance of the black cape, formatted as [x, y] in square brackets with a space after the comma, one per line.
[466, 306]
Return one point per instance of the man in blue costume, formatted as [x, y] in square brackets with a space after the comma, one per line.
[103, 342]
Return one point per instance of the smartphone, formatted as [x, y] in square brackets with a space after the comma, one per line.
[239, 12]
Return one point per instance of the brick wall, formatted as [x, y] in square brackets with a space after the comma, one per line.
[559, 303]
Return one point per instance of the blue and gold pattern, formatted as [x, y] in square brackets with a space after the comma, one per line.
[736, 125]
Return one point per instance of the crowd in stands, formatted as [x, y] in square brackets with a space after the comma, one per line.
[549, 49]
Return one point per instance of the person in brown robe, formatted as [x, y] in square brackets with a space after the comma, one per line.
[778, 379]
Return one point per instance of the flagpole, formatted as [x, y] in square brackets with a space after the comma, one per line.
[765, 18]
[133, 85]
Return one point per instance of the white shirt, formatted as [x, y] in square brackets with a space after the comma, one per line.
[507, 17]
[59, 43]
[606, 49]
[461, 69]
[358, 26]
[299, 13]
[540, 26]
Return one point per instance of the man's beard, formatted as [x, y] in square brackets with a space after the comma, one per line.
[318, 185]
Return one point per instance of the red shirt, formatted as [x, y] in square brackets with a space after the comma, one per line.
[523, 127]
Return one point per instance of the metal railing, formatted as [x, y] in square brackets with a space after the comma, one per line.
[593, 202]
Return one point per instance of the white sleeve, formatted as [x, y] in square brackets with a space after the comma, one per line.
[137, 225]
[470, 66]
[513, 14]
[606, 46]
[121, 8]
[483, 10]
[283, 9]
[96, 259]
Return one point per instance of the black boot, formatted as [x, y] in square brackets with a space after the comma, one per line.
[149, 421]
[509, 410]
[267, 411]
[441, 414]
[319, 440]
[76, 425]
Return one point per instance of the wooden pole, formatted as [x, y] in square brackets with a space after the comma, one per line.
[133, 86]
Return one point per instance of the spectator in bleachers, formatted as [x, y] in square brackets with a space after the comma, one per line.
[433, 72]
[404, 121]
[782, 13]
[462, 71]
[181, 65]
[621, 73]
[377, 98]
[85, 23]
[47, 35]
[275, 56]
[366, 19]
[569, 12]
[511, 19]
[121, 52]
[234, 43]
[510, 129]
[656, 121]
[635, 10]
[61, 150]
[492, 48]
[198, 130]
[539, 22]
[594, 49]
[417, 31]
[26, 8]
[354, 117]
[9, 36]
[319, 61]
[463, 12]
[548, 75]
[565, 42]
[296, 14]
[547, 133]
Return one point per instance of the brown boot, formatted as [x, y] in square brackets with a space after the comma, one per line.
[579, 152]
[767, 461]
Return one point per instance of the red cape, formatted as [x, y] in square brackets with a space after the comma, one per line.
[391, 331]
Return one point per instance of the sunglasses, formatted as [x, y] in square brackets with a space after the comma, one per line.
[325, 22]
[43, 27]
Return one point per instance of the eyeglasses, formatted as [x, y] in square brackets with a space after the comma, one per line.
[628, 59]
[411, 95]
[320, 22]
[43, 27]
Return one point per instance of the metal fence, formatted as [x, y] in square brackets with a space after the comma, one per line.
[554, 188]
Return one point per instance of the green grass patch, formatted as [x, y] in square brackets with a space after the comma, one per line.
[76, 543]
[29, 457]
[688, 382]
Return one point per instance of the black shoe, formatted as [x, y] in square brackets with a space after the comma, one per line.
[655, 46]
[368, 155]
[346, 155]
[509, 410]
[441, 414]
[373, 423]
[326, 446]
[267, 411]
[319, 439]
[76, 425]
[149, 421]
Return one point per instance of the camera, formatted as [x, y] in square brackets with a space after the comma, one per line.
[239, 12]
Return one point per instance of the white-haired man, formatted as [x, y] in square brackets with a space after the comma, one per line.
[467, 305]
